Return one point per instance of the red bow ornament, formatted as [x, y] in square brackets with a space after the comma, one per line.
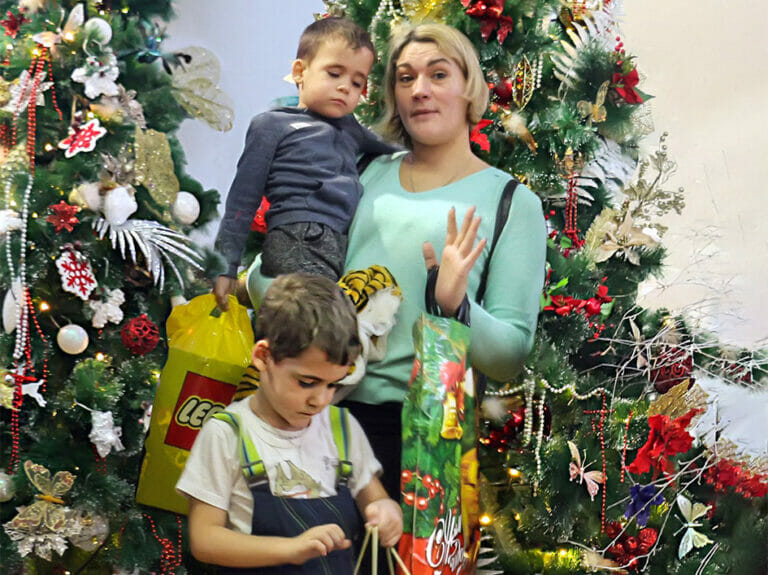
[489, 12]
[625, 84]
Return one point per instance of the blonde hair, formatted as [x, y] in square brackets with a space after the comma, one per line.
[453, 44]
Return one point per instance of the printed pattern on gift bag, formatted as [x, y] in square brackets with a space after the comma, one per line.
[439, 490]
[200, 399]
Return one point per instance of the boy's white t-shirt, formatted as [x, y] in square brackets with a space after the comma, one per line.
[298, 463]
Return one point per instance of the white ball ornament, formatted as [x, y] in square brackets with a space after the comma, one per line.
[186, 208]
[72, 339]
[7, 490]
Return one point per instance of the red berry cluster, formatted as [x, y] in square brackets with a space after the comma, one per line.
[432, 485]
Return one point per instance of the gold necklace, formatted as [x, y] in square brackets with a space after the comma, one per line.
[412, 186]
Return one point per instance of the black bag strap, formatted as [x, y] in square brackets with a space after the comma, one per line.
[502, 212]
[462, 314]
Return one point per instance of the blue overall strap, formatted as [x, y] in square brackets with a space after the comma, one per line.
[340, 427]
[250, 461]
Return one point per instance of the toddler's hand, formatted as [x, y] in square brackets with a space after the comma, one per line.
[319, 541]
[385, 513]
[225, 285]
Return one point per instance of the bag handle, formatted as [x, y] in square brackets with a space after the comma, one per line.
[391, 553]
[462, 314]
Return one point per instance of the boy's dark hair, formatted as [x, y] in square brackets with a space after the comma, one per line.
[302, 310]
[330, 28]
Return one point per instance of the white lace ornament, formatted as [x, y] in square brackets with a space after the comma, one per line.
[104, 435]
[108, 308]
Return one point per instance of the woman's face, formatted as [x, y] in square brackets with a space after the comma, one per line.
[429, 93]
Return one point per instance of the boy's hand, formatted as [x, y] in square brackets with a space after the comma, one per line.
[225, 285]
[319, 541]
[385, 513]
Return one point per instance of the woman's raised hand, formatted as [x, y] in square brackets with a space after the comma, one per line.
[459, 255]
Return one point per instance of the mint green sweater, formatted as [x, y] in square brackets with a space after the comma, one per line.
[389, 228]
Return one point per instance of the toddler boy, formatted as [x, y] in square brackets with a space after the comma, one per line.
[303, 160]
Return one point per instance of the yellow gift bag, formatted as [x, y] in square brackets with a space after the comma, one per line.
[208, 352]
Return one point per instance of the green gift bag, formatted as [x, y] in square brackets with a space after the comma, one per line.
[439, 478]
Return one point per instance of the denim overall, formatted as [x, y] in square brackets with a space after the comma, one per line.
[289, 517]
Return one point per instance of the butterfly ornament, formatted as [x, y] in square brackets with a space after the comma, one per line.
[595, 112]
[691, 537]
[44, 525]
[591, 479]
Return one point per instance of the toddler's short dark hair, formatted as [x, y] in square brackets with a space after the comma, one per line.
[300, 311]
[330, 28]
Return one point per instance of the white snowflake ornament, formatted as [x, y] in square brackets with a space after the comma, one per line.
[21, 92]
[107, 308]
[99, 75]
[76, 274]
[83, 138]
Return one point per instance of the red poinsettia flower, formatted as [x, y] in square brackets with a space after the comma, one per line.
[489, 12]
[667, 438]
[625, 84]
[12, 23]
[478, 137]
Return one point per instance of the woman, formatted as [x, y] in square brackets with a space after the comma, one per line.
[435, 93]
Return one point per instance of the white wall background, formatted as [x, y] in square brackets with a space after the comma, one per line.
[706, 63]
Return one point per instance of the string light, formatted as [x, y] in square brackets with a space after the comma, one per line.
[485, 519]
[517, 516]
[48, 147]
[514, 473]
[36, 52]
[44, 306]
[69, 36]
[100, 356]
[562, 552]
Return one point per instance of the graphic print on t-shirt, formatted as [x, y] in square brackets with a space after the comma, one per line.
[299, 484]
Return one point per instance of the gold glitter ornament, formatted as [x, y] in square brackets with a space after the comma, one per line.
[420, 10]
[674, 403]
[154, 166]
[195, 88]
[16, 160]
[5, 91]
[523, 84]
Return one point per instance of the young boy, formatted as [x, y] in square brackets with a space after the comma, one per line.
[303, 161]
[274, 480]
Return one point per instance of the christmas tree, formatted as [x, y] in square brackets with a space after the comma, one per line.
[624, 444]
[95, 211]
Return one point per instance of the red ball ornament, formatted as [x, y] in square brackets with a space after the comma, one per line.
[140, 335]
[672, 367]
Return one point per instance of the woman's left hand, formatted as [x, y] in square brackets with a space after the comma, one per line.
[459, 255]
